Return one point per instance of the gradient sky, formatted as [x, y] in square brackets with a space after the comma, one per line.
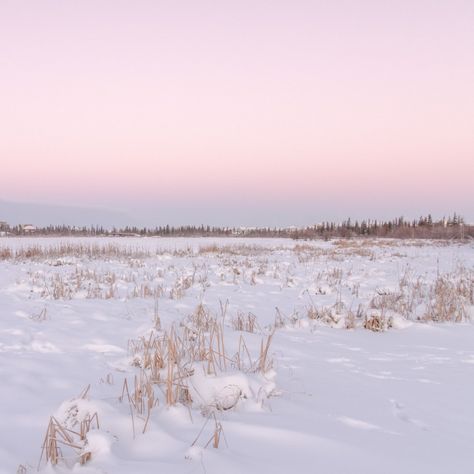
[239, 112]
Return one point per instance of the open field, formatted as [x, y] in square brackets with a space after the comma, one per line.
[206, 355]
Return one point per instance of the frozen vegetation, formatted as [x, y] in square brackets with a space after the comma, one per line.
[129, 355]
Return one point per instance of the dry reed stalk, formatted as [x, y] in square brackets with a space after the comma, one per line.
[84, 392]
[279, 319]
[156, 317]
[126, 391]
[264, 364]
[151, 403]
[216, 434]
[41, 316]
[243, 349]
[172, 358]
[223, 307]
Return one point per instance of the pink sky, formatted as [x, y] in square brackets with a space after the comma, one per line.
[314, 108]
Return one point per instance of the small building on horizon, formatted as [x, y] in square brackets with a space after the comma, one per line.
[28, 228]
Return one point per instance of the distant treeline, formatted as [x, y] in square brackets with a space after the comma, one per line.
[422, 228]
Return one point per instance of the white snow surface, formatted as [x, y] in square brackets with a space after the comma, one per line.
[335, 401]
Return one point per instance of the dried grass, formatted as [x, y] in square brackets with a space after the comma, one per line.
[58, 438]
[377, 323]
[245, 322]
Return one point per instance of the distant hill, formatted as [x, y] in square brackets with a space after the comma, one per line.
[46, 214]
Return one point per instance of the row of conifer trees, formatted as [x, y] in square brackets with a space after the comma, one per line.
[452, 227]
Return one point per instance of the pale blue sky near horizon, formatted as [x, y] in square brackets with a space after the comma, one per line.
[42, 214]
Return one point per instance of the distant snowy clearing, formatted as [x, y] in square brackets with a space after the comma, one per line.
[207, 355]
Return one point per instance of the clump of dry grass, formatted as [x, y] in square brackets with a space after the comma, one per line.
[62, 443]
[202, 318]
[58, 437]
[245, 322]
[447, 301]
[74, 250]
[377, 323]
[327, 315]
[308, 253]
[465, 284]
[6, 253]
[324, 315]
[167, 359]
[166, 362]
[240, 250]
[147, 290]
[142, 399]
[350, 321]
[90, 251]
[93, 284]
[399, 302]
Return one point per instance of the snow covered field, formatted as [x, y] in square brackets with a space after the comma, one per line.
[308, 357]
